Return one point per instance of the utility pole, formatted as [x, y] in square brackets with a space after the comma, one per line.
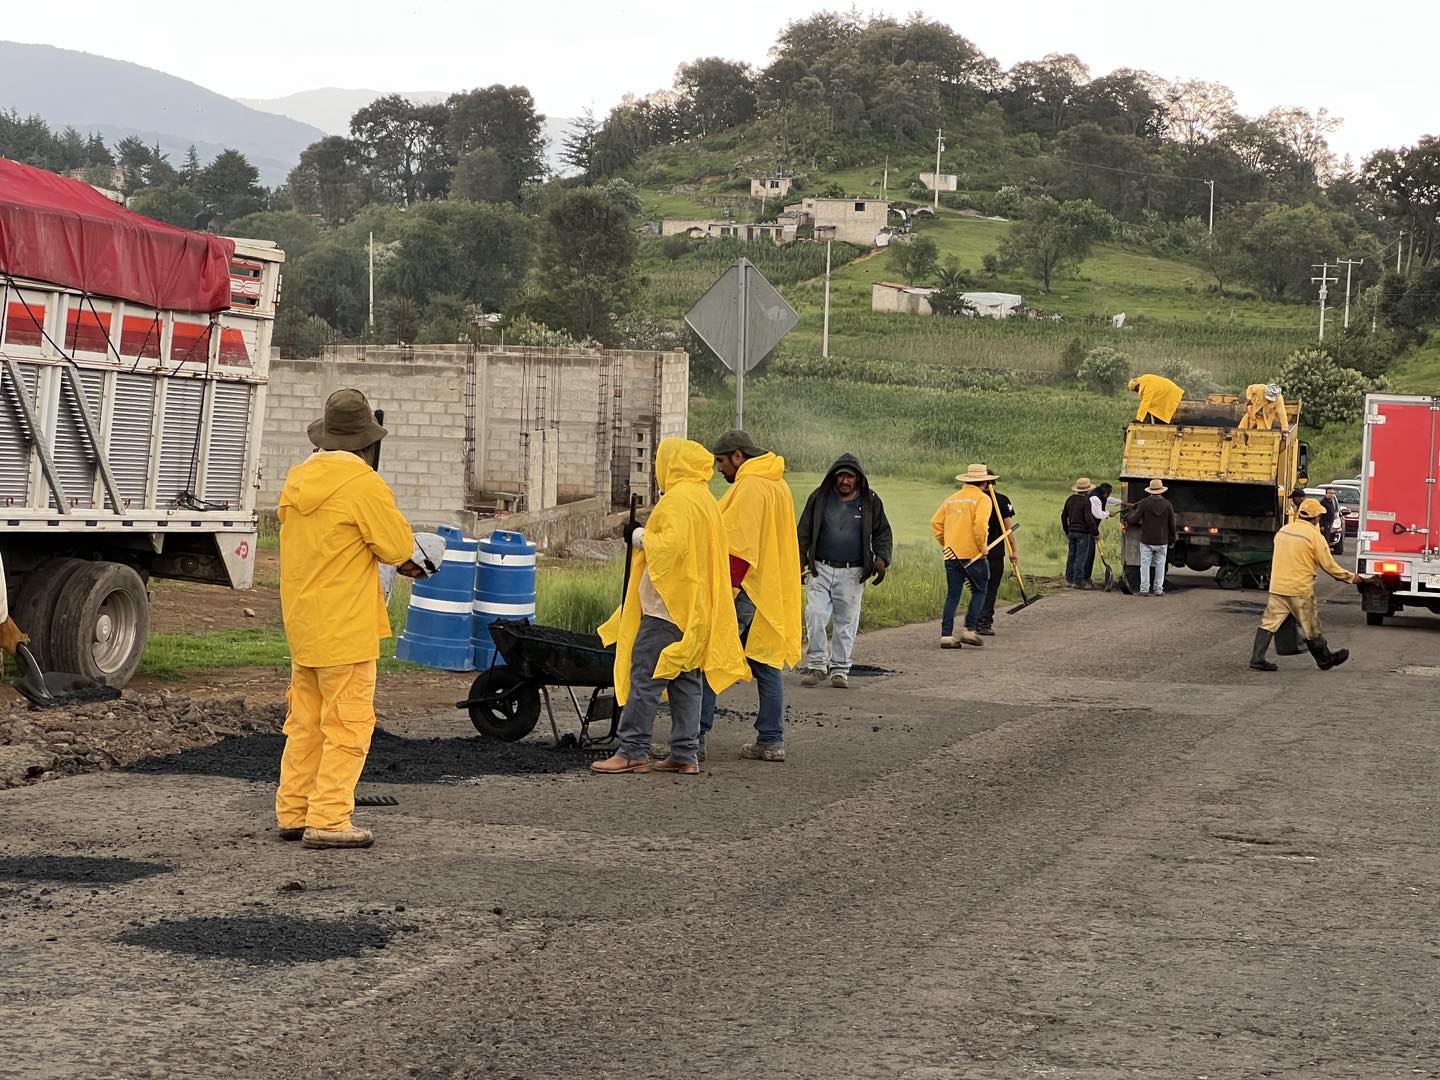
[1212, 206]
[825, 332]
[1349, 264]
[885, 180]
[939, 145]
[1399, 247]
[372, 282]
[1324, 281]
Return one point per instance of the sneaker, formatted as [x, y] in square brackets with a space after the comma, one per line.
[353, 837]
[840, 681]
[763, 751]
[985, 631]
[948, 642]
[291, 834]
[1143, 593]
[811, 678]
[971, 638]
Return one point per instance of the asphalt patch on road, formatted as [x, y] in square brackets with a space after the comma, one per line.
[77, 869]
[1243, 607]
[870, 671]
[392, 760]
[263, 940]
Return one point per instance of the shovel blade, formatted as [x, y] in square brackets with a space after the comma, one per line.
[57, 688]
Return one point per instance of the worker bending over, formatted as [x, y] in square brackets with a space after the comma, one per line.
[338, 525]
[759, 517]
[1159, 398]
[1300, 552]
[1264, 407]
[675, 631]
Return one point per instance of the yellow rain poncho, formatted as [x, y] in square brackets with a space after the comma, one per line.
[759, 517]
[686, 558]
[1261, 412]
[1159, 397]
[338, 524]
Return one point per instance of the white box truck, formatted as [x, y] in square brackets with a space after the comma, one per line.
[133, 362]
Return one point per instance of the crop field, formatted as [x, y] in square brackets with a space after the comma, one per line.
[673, 285]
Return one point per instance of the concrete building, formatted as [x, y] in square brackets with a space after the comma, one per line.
[549, 441]
[940, 181]
[851, 221]
[777, 232]
[770, 187]
[892, 297]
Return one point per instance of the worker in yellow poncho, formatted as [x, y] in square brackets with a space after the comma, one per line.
[1159, 398]
[338, 526]
[759, 517]
[1264, 407]
[675, 631]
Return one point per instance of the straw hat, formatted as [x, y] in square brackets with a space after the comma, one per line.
[348, 423]
[1155, 487]
[976, 474]
[1083, 485]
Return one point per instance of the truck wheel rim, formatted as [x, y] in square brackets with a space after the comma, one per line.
[116, 629]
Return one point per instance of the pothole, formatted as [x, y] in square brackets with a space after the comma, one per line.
[263, 939]
[77, 869]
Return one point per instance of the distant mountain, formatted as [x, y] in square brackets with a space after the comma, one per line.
[118, 98]
[330, 108]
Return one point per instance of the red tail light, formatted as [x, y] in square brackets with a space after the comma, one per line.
[1390, 568]
[1214, 532]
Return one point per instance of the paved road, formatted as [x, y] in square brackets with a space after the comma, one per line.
[1100, 847]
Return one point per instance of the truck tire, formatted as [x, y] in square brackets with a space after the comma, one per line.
[33, 608]
[1130, 579]
[101, 621]
[1375, 618]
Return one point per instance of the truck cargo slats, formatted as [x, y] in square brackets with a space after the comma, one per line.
[229, 439]
[14, 450]
[72, 456]
[179, 460]
[131, 433]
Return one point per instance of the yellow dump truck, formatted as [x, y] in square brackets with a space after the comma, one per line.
[1229, 487]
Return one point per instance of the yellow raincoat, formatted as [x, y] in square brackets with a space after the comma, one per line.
[338, 524]
[1159, 397]
[686, 556]
[759, 517]
[1263, 414]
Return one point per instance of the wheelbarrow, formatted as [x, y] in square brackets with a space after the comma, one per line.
[505, 699]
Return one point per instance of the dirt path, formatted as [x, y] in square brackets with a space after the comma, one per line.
[1029, 860]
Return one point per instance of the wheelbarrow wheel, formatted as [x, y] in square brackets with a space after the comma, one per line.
[513, 709]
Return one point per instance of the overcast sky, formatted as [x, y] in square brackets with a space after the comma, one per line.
[1365, 62]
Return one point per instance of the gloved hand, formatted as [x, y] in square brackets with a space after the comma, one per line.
[629, 531]
[11, 636]
[880, 567]
[635, 537]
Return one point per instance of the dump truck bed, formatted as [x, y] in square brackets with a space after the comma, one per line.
[1203, 443]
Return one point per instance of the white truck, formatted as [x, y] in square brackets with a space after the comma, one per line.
[133, 362]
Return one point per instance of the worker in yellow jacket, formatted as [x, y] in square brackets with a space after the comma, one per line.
[1264, 407]
[338, 525]
[675, 632]
[759, 517]
[1300, 553]
[962, 527]
[1159, 398]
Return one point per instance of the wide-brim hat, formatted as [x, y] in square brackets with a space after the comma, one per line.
[348, 423]
[1155, 487]
[1083, 485]
[975, 474]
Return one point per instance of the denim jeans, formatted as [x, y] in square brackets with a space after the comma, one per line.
[998, 557]
[1152, 562]
[770, 720]
[1080, 560]
[637, 718]
[957, 575]
[832, 593]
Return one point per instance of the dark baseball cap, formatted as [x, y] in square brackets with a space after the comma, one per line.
[733, 440]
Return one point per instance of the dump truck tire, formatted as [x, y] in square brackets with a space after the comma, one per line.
[101, 621]
[33, 608]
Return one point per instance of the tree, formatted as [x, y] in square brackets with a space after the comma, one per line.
[1048, 90]
[230, 187]
[172, 205]
[1331, 394]
[402, 147]
[96, 152]
[586, 264]
[1408, 180]
[482, 176]
[133, 158]
[577, 149]
[190, 171]
[295, 233]
[330, 281]
[1053, 235]
[916, 260]
[1126, 102]
[717, 94]
[1277, 252]
[328, 180]
[479, 252]
[502, 119]
[1197, 111]
[69, 151]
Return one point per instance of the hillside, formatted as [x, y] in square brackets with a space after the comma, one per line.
[117, 98]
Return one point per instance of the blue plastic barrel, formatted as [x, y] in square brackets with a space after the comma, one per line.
[504, 589]
[437, 630]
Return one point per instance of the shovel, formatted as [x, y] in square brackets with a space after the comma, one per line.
[1109, 585]
[58, 688]
[629, 551]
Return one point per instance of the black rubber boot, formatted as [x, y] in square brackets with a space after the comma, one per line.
[1324, 658]
[1258, 662]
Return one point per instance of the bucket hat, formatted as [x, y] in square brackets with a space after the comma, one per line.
[1083, 485]
[348, 423]
[975, 474]
[1155, 487]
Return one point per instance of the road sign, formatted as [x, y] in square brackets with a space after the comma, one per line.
[741, 318]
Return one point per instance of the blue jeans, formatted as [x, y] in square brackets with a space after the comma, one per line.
[1152, 563]
[1080, 560]
[770, 720]
[957, 576]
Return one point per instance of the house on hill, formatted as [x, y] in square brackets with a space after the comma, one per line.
[897, 299]
[777, 232]
[770, 187]
[850, 221]
[940, 181]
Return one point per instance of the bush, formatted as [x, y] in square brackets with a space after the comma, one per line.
[1196, 380]
[301, 336]
[1327, 392]
[1104, 370]
[642, 330]
[523, 330]
[1071, 357]
[1008, 201]
[672, 247]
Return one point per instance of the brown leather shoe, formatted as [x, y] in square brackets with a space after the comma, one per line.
[971, 638]
[670, 765]
[618, 763]
[353, 837]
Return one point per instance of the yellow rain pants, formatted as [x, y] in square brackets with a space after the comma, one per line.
[327, 735]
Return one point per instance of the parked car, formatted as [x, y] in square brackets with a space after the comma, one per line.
[1333, 523]
[1347, 494]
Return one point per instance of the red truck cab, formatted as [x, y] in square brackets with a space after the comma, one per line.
[1399, 535]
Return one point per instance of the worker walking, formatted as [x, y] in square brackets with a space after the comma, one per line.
[1159, 398]
[675, 631]
[759, 518]
[961, 526]
[1300, 553]
[1002, 521]
[338, 525]
[1081, 528]
[1264, 407]
[1155, 518]
[845, 541]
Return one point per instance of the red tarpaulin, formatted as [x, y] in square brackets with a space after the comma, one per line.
[65, 232]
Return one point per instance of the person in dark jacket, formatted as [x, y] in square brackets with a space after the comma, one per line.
[1081, 529]
[845, 541]
[1155, 518]
[1002, 520]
